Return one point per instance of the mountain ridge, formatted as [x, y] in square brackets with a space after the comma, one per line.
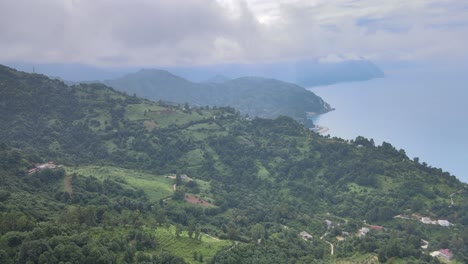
[308, 72]
[254, 96]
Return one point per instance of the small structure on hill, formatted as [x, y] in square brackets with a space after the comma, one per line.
[48, 165]
[363, 231]
[424, 244]
[443, 222]
[376, 227]
[445, 254]
[426, 220]
[305, 235]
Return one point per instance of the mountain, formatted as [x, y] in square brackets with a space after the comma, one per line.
[92, 175]
[218, 78]
[306, 73]
[311, 72]
[254, 96]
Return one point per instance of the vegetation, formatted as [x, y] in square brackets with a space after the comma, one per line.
[253, 96]
[122, 194]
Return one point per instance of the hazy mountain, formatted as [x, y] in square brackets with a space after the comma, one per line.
[255, 96]
[218, 78]
[302, 72]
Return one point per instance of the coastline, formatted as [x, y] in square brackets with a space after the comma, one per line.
[317, 128]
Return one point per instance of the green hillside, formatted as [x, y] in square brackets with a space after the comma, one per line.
[254, 96]
[145, 182]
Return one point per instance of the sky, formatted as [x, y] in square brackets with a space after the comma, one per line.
[200, 32]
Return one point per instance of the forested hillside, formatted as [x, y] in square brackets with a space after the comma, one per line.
[135, 181]
[254, 96]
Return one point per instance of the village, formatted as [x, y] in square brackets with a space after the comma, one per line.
[442, 254]
[424, 219]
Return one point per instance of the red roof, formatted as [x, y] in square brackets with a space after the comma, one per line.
[375, 227]
[446, 252]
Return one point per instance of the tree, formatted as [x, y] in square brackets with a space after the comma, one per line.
[190, 227]
[257, 232]
[179, 230]
[198, 233]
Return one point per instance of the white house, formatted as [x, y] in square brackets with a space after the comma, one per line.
[443, 222]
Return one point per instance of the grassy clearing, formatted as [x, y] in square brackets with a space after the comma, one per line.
[156, 187]
[184, 246]
[136, 112]
[356, 188]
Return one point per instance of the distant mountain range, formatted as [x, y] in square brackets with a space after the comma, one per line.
[304, 72]
[254, 96]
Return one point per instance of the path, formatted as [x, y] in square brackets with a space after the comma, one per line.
[233, 246]
[324, 235]
[331, 246]
[174, 187]
[215, 238]
[402, 217]
[451, 198]
[67, 184]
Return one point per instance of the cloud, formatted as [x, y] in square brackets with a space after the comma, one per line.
[167, 32]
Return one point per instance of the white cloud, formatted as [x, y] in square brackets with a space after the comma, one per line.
[149, 32]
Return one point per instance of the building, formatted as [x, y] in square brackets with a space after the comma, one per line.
[424, 244]
[305, 235]
[443, 222]
[48, 165]
[442, 253]
[363, 231]
[375, 227]
[445, 253]
[426, 220]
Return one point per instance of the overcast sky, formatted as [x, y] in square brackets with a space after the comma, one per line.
[175, 32]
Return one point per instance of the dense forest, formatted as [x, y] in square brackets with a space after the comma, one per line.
[136, 181]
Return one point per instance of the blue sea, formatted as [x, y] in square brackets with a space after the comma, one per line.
[420, 109]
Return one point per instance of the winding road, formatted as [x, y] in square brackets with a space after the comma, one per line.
[331, 247]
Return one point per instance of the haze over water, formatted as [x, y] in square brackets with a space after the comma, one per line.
[419, 109]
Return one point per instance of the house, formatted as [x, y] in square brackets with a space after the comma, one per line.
[48, 165]
[184, 177]
[426, 220]
[329, 223]
[363, 231]
[443, 222]
[445, 253]
[376, 227]
[305, 235]
[424, 244]
[442, 253]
